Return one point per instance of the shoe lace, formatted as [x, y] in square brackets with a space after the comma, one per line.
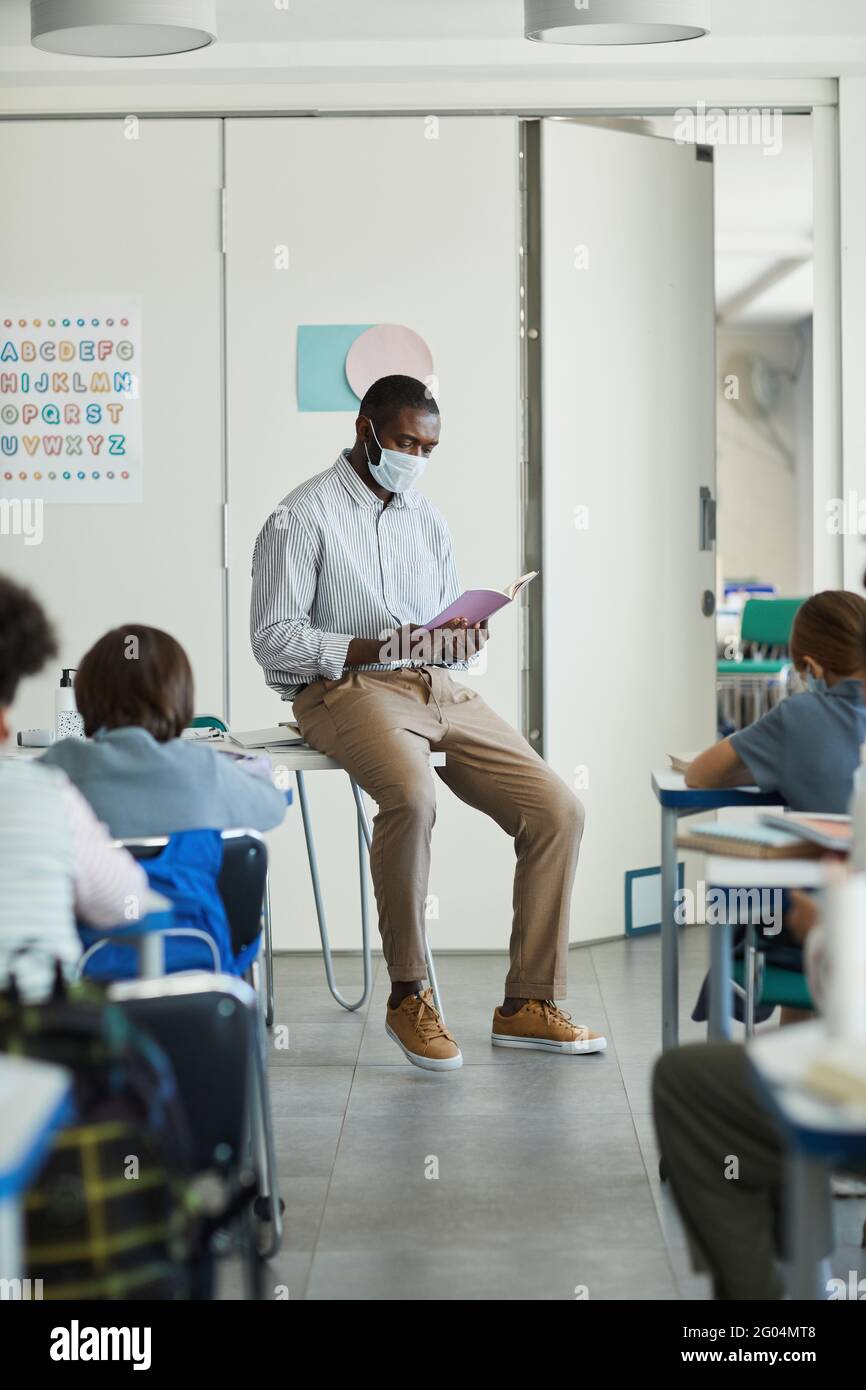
[553, 1014]
[428, 1021]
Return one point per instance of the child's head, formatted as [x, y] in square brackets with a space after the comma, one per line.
[135, 675]
[26, 642]
[828, 638]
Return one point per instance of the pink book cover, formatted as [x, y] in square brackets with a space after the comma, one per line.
[477, 604]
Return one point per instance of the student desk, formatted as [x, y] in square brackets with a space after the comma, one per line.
[35, 1101]
[820, 1136]
[727, 871]
[676, 800]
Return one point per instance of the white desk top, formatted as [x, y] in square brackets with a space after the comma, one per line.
[728, 871]
[671, 792]
[305, 759]
[300, 758]
[782, 1058]
[666, 780]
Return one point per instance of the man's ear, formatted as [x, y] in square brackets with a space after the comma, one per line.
[812, 665]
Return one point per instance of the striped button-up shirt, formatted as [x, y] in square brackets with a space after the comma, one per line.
[331, 563]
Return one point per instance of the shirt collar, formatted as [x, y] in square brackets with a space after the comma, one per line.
[365, 495]
[850, 688]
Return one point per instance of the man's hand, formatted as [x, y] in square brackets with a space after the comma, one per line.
[454, 642]
[457, 641]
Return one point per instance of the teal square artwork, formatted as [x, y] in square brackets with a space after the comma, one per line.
[322, 349]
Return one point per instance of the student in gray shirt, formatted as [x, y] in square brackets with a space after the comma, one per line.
[134, 690]
[808, 747]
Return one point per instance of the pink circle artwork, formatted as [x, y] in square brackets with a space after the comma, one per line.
[386, 349]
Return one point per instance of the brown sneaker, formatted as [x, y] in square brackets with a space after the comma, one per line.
[417, 1028]
[539, 1023]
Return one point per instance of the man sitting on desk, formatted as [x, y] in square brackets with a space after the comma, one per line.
[344, 571]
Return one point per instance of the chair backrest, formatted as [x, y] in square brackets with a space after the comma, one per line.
[242, 884]
[206, 1025]
[768, 621]
[241, 881]
[208, 721]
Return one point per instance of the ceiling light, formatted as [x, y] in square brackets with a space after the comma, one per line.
[616, 21]
[122, 28]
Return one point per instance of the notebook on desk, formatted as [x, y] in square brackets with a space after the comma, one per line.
[281, 736]
[831, 833]
[680, 761]
[748, 841]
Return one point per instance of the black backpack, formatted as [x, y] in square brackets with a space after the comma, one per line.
[113, 1213]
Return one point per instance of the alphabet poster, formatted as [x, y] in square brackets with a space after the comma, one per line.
[70, 399]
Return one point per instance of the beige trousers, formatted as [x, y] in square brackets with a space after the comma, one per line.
[381, 727]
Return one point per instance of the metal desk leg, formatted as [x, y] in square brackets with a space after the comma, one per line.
[721, 991]
[269, 955]
[806, 1211]
[262, 1137]
[11, 1237]
[320, 907]
[151, 955]
[670, 938]
[367, 833]
[751, 964]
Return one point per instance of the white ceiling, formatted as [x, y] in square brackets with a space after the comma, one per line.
[324, 40]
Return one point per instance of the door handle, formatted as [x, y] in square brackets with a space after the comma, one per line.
[707, 538]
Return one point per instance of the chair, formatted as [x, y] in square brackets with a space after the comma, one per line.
[241, 885]
[759, 983]
[209, 1026]
[765, 673]
[213, 721]
[208, 721]
[241, 881]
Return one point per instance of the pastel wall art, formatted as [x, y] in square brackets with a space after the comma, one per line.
[70, 399]
[338, 362]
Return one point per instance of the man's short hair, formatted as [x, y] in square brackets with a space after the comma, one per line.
[391, 394]
[27, 638]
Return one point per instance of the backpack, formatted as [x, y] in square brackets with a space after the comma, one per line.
[185, 871]
[113, 1213]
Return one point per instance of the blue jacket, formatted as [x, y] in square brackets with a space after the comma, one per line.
[186, 872]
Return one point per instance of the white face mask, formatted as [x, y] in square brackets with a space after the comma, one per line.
[395, 471]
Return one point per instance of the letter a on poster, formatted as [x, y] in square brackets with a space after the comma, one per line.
[70, 399]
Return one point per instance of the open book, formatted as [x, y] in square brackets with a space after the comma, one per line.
[477, 604]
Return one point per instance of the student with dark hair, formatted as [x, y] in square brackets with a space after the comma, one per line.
[57, 863]
[134, 691]
[808, 747]
[345, 571]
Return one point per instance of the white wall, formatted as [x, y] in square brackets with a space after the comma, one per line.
[382, 225]
[852, 159]
[760, 461]
[87, 210]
